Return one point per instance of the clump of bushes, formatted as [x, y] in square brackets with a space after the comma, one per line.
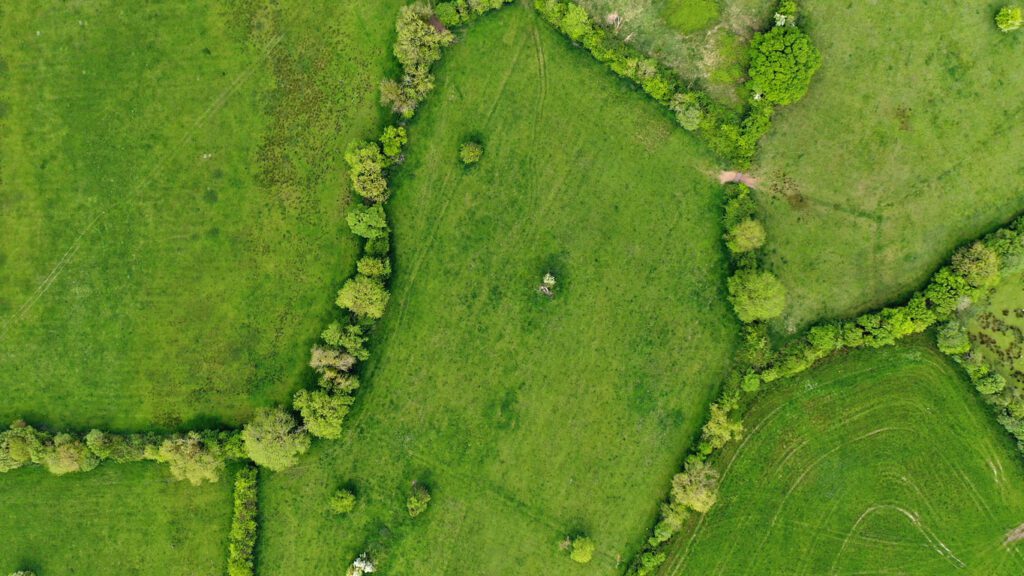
[1010, 18]
[342, 501]
[274, 439]
[197, 456]
[782, 63]
[471, 152]
[242, 538]
[418, 500]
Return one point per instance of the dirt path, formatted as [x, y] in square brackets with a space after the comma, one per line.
[1014, 535]
[732, 177]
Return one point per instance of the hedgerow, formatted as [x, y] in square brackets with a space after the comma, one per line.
[783, 61]
[244, 526]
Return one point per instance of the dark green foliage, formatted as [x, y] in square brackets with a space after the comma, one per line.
[782, 63]
[418, 500]
[244, 527]
[952, 338]
[273, 439]
[364, 296]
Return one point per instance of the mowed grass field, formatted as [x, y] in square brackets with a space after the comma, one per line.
[530, 419]
[129, 520]
[171, 239]
[877, 462]
[904, 148]
[171, 201]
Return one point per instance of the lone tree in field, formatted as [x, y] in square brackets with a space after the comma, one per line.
[756, 295]
[1010, 18]
[274, 440]
[470, 153]
[782, 63]
[418, 500]
[342, 501]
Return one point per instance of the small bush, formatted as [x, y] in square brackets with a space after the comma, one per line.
[392, 141]
[1010, 18]
[66, 454]
[470, 153]
[374, 267]
[244, 527]
[342, 502]
[368, 222]
[696, 487]
[418, 500]
[582, 550]
[366, 169]
[18, 444]
[952, 339]
[196, 456]
[323, 413]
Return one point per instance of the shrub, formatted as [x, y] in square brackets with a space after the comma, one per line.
[719, 430]
[65, 454]
[470, 153]
[1010, 18]
[669, 523]
[746, 236]
[364, 296]
[392, 140]
[687, 110]
[23, 573]
[952, 338]
[18, 444]
[756, 295]
[342, 501]
[418, 44]
[696, 487]
[323, 413]
[648, 563]
[990, 384]
[244, 527]
[418, 500]
[374, 267]
[782, 63]
[977, 264]
[368, 222]
[448, 14]
[366, 169]
[377, 246]
[323, 359]
[349, 338]
[120, 448]
[274, 440]
[582, 550]
[195, 456]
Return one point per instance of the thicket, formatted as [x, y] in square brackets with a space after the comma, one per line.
[244, 526]
[783, 60]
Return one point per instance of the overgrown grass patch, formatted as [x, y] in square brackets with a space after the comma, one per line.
[529, 418]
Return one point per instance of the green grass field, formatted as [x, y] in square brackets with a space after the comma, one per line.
[171, 225]
[171, 194]
[903, 149]
[126, 520]
[877, 462]
[529, 418]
